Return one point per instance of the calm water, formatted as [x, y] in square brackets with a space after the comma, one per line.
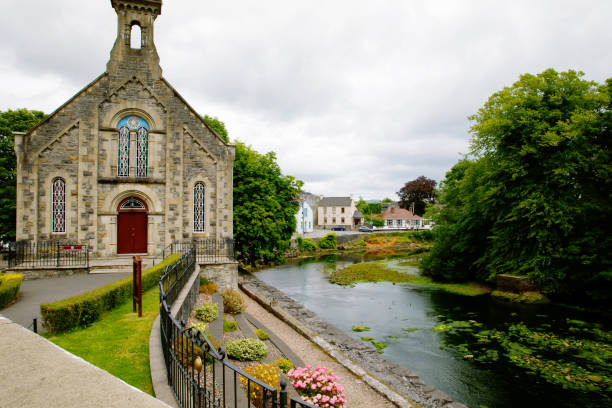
[387, 309]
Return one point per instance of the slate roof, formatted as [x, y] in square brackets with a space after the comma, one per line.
[398, 214]
[335, 202]
[357, 214]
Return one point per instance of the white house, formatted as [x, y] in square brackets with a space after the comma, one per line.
[305, 217]
[399, 218]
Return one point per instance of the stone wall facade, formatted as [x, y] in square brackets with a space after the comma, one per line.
[225, 275]
[79, 143]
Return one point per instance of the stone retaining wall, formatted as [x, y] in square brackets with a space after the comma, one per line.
[396, 382]
[225, 275]
[47, 272]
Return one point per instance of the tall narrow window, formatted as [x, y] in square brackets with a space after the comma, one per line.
[58, 210]
[142, 151]
[198, 208]
[123, 165]
[135, 37]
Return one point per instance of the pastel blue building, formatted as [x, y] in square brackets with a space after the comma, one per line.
[305, 218]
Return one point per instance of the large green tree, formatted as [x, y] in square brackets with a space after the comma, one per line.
[264, 206]
[534, 196]
[264, 203]
[19, 120]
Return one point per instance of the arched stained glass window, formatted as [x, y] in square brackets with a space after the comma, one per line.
[198, 207]
[123, 165]
[58, 210]
[142, 152]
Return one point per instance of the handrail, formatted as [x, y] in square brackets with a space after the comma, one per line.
[181, 346]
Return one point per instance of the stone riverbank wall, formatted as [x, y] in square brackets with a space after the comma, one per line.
[400, 385]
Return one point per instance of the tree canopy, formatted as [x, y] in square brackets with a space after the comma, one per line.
[265, 204]
[217, 126]
[417, 193]
[19, 120]
[534, 196]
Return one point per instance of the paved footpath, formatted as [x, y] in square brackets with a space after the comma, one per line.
[35, 292]
[36, 373]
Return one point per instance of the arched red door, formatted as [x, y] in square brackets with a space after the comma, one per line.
[132, 226]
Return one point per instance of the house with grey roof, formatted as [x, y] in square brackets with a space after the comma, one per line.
[338, 211]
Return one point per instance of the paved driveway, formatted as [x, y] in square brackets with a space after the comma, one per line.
[35, 292]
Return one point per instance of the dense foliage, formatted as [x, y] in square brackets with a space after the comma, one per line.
[20, 120]
[208, 312]
[534, 197]
[246, 349]
[233, 303]
[218, 126]
[417, 193]
[264, 206]
[328, 241]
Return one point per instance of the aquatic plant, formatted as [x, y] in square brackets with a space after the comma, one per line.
[360, 328]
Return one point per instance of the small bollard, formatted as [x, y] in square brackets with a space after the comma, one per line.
[35, 325]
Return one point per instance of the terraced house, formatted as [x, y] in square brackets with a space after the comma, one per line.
[125, 166]
[337, 211]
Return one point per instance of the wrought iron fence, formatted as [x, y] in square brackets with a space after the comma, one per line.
[46, 253]
[207, 250]
[199, 375]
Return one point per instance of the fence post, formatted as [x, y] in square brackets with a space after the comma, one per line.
[35, 325]
[283, 394]
[137, 284]
[58, 254]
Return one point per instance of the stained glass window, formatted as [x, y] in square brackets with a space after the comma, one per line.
[198, 208]
[123, 165]
[142, 151]
[58, 211]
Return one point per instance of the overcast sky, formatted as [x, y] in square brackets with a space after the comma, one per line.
[353, 96]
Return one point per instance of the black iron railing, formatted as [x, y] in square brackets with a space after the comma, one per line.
[46, 253]
[198, 374]
[207, 250]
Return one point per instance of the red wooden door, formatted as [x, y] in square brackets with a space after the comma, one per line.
[132, 232]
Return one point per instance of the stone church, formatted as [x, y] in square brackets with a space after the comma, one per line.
[126, 165]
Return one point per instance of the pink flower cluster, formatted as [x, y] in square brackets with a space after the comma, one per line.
[319, 387]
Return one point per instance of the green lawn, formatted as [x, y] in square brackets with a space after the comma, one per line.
[118, 343]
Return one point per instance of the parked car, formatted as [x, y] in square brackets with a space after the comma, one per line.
[364, 228]
[339, 228]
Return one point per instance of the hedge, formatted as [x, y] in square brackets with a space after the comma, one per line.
[86, 308]
[10, 283]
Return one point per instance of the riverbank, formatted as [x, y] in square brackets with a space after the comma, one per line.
[398, 383]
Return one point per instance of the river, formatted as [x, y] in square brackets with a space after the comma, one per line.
[403, 316]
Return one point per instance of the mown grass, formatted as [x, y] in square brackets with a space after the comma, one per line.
[376, 272]
[118, 343]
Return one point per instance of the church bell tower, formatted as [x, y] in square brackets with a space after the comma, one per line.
[134, 50]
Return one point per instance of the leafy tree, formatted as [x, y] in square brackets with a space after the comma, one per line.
[387, 200]
[535, 196]
[417, 193]
[217, 126]
[264, 206]
[20, 120]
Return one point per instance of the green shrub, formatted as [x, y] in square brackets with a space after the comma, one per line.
[207, 312]
[209, 288]
[199, 326]
[229, 326]
[86, 308]
[328, 241]
[10, 283]
[308, 245]
[246, 349]
[284, 364]
[233, 303]
[261, 334]
[378, 222]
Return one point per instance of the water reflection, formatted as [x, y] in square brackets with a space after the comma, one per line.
[403, 316]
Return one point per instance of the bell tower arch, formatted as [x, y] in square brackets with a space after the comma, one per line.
[134, 51]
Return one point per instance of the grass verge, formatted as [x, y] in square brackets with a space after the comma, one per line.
[118, 343]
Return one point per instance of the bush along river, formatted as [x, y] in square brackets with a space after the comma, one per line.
[481, 351]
